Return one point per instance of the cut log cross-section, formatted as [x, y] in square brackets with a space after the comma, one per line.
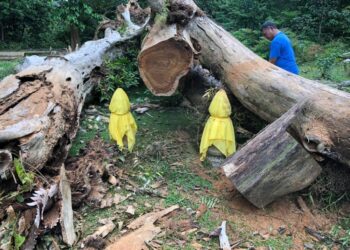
[272, 164]
[166, 56]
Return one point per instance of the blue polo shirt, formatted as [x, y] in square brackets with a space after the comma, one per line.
[281, 49]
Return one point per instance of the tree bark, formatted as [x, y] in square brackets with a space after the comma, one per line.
[272, 164]
[40, 106]
[5, 164]
[269, 91]
[74, 37]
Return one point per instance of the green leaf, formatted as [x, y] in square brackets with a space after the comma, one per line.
[19, 240]
[25, 178]
[20, 198]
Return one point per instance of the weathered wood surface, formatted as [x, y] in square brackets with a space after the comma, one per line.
[40, 106]
[272, 164]
[267, 90]
[5, 164]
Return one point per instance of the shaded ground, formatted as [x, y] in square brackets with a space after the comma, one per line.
[164, 170]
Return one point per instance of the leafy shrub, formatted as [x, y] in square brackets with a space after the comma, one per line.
[253, 40]
[121, 72]
[328, 58]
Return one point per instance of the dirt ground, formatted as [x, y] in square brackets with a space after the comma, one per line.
[163, 170]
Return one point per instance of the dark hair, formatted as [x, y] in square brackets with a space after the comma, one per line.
[268, 24]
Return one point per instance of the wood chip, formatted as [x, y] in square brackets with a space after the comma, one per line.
[201, 210]
[130, 210]
[224, 243]
[112, 180]
[197, 246]
[140, 238]
[67, 225]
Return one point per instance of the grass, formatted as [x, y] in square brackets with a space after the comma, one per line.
[7, 68]
[89, 128]
[166, 150]
[337, 72]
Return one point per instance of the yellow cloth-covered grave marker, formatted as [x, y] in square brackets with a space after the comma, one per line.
[218, 130]
[121, 123]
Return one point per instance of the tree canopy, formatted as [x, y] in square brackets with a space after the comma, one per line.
[36, 23]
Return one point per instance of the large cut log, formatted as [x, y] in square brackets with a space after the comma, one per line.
[40, 105]
[165, 57]
[272, 164]
[267, 90]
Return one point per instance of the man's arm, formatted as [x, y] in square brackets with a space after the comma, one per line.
[275, 50]
[273, 60]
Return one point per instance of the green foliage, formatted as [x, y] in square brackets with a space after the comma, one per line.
[317, 20]
[25, 22]
[7, 68]
[89, 129]
[253, 40]
[19, 240]
[38, 24]
[341, 232]
[26, 178]
[325, 64]
[328, 58]
[121, 72]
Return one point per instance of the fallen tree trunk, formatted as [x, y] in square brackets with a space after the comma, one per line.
[272, 164]
[323, 127]
[40, 106]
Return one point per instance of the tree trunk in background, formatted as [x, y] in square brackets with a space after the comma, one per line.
[323, 126]
[40, 106]
[2, 32]
[74, 37]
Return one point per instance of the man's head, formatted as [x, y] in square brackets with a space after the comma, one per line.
[269, 30]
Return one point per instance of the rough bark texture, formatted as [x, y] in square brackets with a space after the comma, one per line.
[272, 164]
[5, 163]
[269, 91]
[322, 127]
[40, 105]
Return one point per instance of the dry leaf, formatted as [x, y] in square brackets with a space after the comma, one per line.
[264, 235]
[189, 231]
[120, 225]
[108, 201]
[156, 184]
[52, 217]
[197, 246]
[146, 231]
[112, 180]
[201, 210]
[104, 230]
[153, 216]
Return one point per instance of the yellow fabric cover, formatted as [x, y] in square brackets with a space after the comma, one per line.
[218, 130]
[121, 122]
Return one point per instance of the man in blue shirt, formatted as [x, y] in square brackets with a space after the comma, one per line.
[281, 50]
